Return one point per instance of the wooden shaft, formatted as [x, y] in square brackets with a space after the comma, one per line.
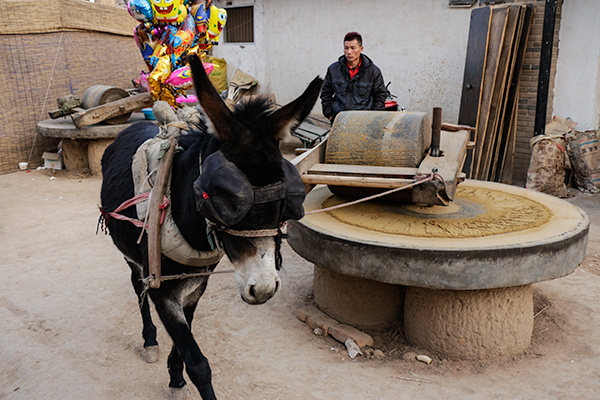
[455, 128]
[353, 181]
[113, 109]
[154, 214]
[436, 127]
[373, 171]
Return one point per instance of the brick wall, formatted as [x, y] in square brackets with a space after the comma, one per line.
[528, 88]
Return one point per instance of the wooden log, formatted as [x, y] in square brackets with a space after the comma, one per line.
[507, 163]
[498, 93]
[506, 157]
[363, 170]
[495, 37]
[112, 109]
[59, 113]
[455, 128]
[506, 110]
[473, 75]
[154, 214]
[474, 66]
[355, 181]
[56, 114]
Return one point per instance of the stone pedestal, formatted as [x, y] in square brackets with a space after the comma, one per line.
[469, 324]
[362, 303]
[95, 151]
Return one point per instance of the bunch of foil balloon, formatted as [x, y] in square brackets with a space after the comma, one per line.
[169, 30]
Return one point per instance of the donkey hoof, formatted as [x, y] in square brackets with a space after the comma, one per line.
[150, 354]
[179, 393]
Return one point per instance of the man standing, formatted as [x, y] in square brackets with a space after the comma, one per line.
[353, 82]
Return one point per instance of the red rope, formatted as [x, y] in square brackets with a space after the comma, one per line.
[131, 202]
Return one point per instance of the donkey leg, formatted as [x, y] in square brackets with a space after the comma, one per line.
[196, 365]
[175, 361]
[150, 353]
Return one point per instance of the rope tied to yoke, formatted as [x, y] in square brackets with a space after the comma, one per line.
[105, 216]
[419, 180]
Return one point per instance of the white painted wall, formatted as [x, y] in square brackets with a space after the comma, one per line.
[577, 87]
[419, 46]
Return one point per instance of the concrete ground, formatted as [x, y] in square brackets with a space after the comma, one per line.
[71, 329]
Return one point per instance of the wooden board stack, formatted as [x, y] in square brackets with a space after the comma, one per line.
[490, 95]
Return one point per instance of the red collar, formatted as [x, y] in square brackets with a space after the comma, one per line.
[354, 71]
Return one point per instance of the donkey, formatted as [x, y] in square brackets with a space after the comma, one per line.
[236, 178]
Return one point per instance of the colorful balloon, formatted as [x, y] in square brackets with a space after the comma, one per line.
[216, 23]
[140, 10]
[171, 29]
[169, 11]
[182, 77]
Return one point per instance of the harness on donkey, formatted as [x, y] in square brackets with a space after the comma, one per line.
[223, 195]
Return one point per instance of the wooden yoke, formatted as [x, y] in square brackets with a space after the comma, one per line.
[112, 109]
[154, 214]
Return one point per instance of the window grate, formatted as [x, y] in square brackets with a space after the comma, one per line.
[240, 25]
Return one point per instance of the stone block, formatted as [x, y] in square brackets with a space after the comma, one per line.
[342, 332]
[315, 318]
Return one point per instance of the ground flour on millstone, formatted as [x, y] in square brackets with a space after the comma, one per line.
[475, 212]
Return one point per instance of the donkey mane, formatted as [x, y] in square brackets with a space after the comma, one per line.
[256, 154]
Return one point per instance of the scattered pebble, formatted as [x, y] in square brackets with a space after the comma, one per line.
[353, 349]
[424, 358]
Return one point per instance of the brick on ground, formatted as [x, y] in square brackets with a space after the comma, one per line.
[315, 318]
[342, 332]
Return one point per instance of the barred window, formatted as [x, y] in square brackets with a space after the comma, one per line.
[240, 25]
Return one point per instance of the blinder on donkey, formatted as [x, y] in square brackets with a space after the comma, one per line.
[224, 195]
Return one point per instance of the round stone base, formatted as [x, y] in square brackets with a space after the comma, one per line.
[469, 324]
[75, 154]
[361, 303]
[95, 151]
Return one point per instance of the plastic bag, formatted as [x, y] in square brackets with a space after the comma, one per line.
[546, 171]
[218, 76]
[583, 153]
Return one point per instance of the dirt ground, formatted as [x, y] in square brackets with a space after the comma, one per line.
[70, 328]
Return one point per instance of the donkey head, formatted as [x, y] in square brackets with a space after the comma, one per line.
[247, 189]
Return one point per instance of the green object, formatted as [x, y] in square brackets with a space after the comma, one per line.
[67, 103]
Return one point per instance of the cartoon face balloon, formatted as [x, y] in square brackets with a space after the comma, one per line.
[166, 11]
[216, 22]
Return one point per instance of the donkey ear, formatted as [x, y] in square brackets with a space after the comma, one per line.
[214, 107]
[285, 120]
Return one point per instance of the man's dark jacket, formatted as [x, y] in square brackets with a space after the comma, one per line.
[366, 91]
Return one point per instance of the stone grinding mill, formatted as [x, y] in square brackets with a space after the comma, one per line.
[455, 263]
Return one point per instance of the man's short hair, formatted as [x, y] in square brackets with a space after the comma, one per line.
[350, 36]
